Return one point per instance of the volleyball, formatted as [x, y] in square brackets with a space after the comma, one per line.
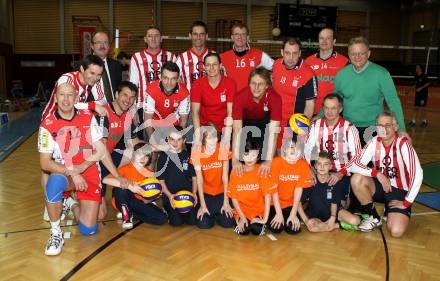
[183, 201]
[151, 187]
[299, 123]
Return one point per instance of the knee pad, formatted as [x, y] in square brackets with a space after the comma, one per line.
[55, 187]
[87, 231]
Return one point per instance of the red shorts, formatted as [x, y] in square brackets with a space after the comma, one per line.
[94, 186]
[93, 192]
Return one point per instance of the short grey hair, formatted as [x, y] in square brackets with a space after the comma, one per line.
[359, 40]
[387, 114]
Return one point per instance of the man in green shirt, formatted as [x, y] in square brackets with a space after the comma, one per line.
[364, 86]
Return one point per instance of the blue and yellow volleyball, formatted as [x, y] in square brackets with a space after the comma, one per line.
[183, 201]
[151, 187]
[299, 124]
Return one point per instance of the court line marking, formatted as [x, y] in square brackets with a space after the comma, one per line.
[387, 256]
[44, 228]
[97, 251]
[13, 143]
[271, 237]
[425, 213]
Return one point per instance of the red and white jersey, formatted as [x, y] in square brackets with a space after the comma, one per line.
[341, 141]
[145, 68]
[325, 70]
[70, 141]
[81, 102]
[398, 162]
[115, 127]
[240, 67]
[167, 107]
[191, 66]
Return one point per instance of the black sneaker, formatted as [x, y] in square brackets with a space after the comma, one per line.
[412, 124]
[424, 124]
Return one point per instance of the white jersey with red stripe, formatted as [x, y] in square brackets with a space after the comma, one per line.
[341, 141]
[81, 102]
[398, 162]
[191, 66]
[145, 68]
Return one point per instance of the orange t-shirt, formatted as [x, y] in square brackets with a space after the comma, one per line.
[249, 190]
[212, 168]
[130, 172]
[288, 177]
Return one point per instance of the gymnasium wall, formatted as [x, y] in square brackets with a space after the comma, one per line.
[37, 25]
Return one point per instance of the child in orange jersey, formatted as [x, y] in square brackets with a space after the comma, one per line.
[324, 209]
[128, 201]
[212, 168]
[292, 174]
[250, 194]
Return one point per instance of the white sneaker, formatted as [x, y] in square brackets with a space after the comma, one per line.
[68, 204]
[55, 243]
[369, 224]
[127, 224]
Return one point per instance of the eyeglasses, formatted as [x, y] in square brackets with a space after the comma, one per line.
[358, 54]
[257, 85]
[386, 126]
[102, 43]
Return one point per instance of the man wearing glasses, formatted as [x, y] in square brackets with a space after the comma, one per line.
[112, 73]
[242, 59]
[190, 62]
[364, 86]
[395, 178]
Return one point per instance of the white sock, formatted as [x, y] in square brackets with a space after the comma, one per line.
[55, 225]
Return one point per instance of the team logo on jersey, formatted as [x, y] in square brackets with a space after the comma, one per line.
[115, 125]
[386, 160]
[296, 80]
[223, 96]
[252, 62]
[176, 103]
[48, 121]
[315, 67]
[283, 80]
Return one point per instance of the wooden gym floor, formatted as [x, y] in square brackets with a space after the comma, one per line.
[187, 253]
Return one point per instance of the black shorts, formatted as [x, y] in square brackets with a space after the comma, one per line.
[395, 194]
[322, 214]
[343, 188]
[421, 99]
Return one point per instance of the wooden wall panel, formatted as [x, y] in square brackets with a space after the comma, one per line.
[132, 17]
[36, 27]
[82, 8]
[176, 19]
[220, 19]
